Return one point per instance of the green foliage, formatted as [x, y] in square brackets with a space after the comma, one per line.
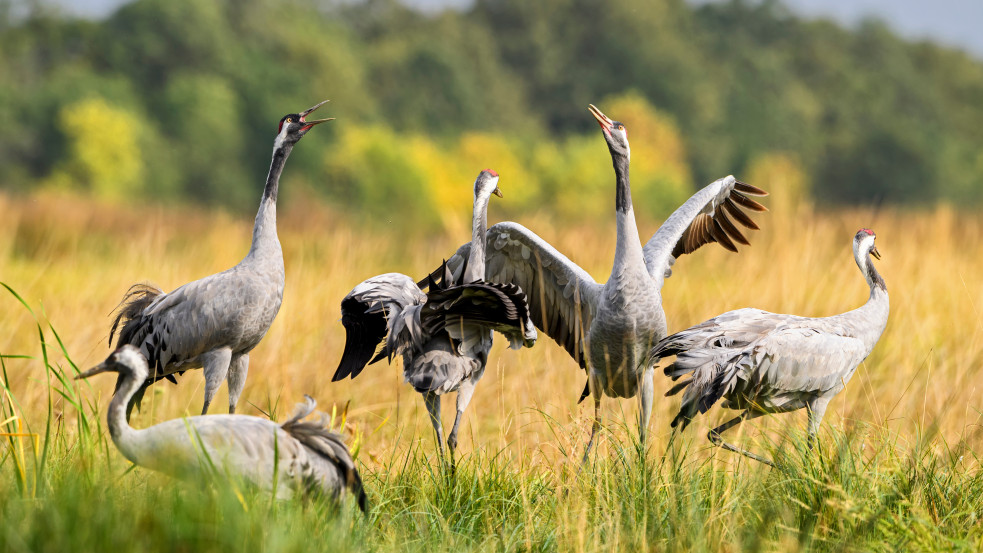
[868, 117]
[103, 150]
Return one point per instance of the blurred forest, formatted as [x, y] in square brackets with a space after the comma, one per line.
[178, 100]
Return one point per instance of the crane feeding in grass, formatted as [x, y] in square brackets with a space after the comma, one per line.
[296, 457]
[609, 328]
[213, 323]
[764, 362]
[444, 336]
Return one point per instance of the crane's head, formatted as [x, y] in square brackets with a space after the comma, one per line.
[615, 132]
[863, 244]
[294, 126]
[486, 184]
[127, 360]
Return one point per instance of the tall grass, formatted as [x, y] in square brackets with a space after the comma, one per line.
[898, 465]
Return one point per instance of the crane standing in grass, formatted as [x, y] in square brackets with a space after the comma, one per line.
[609, 328]
[296, 457]
[214, 322]
[445, 335]
[772, 363]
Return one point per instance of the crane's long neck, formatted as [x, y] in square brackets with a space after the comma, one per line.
[874, 313]
[479, 226]
[628, 250]
[264, 231]
[124, 435]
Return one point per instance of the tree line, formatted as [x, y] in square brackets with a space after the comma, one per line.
[178, 100]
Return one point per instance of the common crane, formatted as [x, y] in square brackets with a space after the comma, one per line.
[213, 323]
[295, 457]
[444, 336]
[771, 363]
[609, 328]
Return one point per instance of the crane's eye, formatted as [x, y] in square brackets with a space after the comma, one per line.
[290, 119]
[621, 127]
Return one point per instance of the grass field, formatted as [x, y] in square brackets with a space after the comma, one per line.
[899, 466]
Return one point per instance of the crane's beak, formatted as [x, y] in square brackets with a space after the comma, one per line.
[602, 119]
[100, 368]
[307, 112]
[875, 253]
[497, 192]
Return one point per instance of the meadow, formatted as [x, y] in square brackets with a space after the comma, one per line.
[898, 466]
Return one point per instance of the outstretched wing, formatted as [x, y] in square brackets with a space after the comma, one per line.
[367, 313]
[700, 220]
[562, 297]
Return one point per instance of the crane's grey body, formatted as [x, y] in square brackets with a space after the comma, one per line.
[445, 336]
[762, 362]
[213, 323]
[295, 457]
[610, 328]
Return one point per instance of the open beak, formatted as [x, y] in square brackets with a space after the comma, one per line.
[307, 112]
[497, 192]
[875, 253]
[100, 368]
[602, 119]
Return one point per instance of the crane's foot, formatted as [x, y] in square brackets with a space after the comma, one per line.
[715, 438]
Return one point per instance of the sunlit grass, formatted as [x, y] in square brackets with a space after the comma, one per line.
[898, 466]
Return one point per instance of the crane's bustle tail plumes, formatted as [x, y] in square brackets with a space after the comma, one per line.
[316, 437]
[130, 310]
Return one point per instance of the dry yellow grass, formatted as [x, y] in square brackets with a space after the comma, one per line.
[77, 258]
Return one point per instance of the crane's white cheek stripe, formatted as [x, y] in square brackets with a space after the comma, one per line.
[280, 138]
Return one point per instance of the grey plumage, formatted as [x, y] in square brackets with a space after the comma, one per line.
[443, 336]
[296, 457]
[763, 362]
[609, 328]
[213, 323]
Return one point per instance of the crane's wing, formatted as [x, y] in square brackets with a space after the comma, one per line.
[561, 296]
[369, 313]
[700, 220]
[774, 357]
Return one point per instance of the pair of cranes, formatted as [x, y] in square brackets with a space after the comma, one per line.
[505, 279]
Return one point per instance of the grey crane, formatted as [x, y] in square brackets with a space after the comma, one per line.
[295, 457]
[444, 336]
[764, 362]
[609, 328]
[213, 323]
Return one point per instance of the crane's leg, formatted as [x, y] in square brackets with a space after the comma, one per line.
[714, 436]
[216, 367]
[595, 392]
[645, 397]
[464, 393]
[817, 409]
[432, 402]
[238, 369]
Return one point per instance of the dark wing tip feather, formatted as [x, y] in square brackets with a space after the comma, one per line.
[747, 202]
[739, 215]
[746, 188]
[729, 228]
